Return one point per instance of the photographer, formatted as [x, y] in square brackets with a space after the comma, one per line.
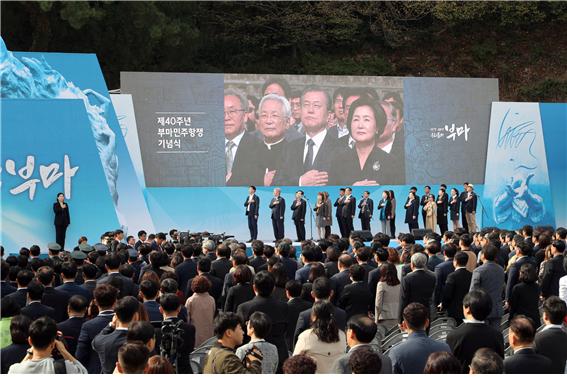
[221, 358]
[40, 357]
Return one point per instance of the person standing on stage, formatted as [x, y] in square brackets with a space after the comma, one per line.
[431, 213]
[385, 207]
[424, 201]
[442, 210]
[329, 215]
[339, 203]
[462, 198]
[277, 204]
[470, 208]
[366, 207]
[299, 207]
[322, 214]
[454, 207]
[252, 205]
[348, 212]
[393, 216]
[412, 210]
[62, 219]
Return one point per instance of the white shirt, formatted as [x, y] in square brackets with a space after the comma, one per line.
[269, 145]
[551, 326]
[250, 198]
[563, 288]
[473, 321]
[388, 148]
[236, 140]
[318, 140]
[342, 131]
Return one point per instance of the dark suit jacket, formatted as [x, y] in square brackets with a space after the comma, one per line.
[152, 308]
[6, 288]
[220, 267]
[295, 306]
[58, 300]
[13, 353]
[417, 287]
[278, 210]
[525, 301]
[466, 339]
[19, 296]
[331, 268]
[290, 266]
[553, 270]
[187, 346]
[71, 329]
[247, 167]
[412, 211]
[128, 287]
[89, 286]
[298, 210]
[255, 262]
[185, 271]
[373, 279]
[369, 208]
[455, 208]
[254, 206]
[442, 271]
[292, 167]
[514, 273]
[527, 361]
[36, 310]
[277, 312]
[356, 299]
[304, 321]
[349, 208]
[238, 294]
[339, 205]
[62, 217]
[456, 287]
[72, 288]
[339, 281]
[106, 344]
[442, 206]
[470, 205]
[547, 342]
[85, 354]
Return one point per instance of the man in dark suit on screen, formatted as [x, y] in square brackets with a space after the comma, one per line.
[277, 204]
[308, 160]
[299, 209]
[252, 205]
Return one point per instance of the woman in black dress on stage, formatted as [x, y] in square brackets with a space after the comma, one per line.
[62, 219]
[365, 163]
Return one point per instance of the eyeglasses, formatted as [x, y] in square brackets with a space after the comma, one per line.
[232, 113]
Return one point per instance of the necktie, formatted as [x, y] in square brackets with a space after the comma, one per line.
[229, 157]
[308, 163]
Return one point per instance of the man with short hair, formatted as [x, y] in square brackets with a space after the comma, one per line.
[112, 264]
[188, 268]
[470, 208]
[132, 358]
[474, 333]
[295, 305]
[42, 338]
[277, 204]
[342, 278]
[69, 286]
[71, 328]
[252, 205]
[149, 290]
[465, 242]
[265, 302]
[349, 209]
[107, 342]
[525, 359]
[490, 278]
[105, 298]
[51, 297]
[355, 298]
[456, 287]
[553, 270]
[23, 279]
[221, 265]
[35, 309]
[222, 358]
[417, 286]
[553, 334]
[360, 331]
[443, 270]
[142, 237]
[339, 203]
[486, 361]
[299, 207]
[410, 356]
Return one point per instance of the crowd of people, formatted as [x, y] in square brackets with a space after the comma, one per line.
[493, 301]
[308, 137]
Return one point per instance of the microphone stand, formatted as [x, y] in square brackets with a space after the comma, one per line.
[310, 218]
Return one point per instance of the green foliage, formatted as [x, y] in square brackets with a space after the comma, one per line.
[545, 90]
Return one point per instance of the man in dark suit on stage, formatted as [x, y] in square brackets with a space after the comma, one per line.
[307, 161]
[339, 203]
[277, 204]
[252, 205]
[241, 149]
[442, 210]
[423, 201]
[462, 198]
[366, 207]
[299, 207]
[349, 210]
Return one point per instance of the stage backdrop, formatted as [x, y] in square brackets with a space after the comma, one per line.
[47, 148]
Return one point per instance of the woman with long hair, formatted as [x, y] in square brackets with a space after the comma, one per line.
[324, 341]
[387, 302]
